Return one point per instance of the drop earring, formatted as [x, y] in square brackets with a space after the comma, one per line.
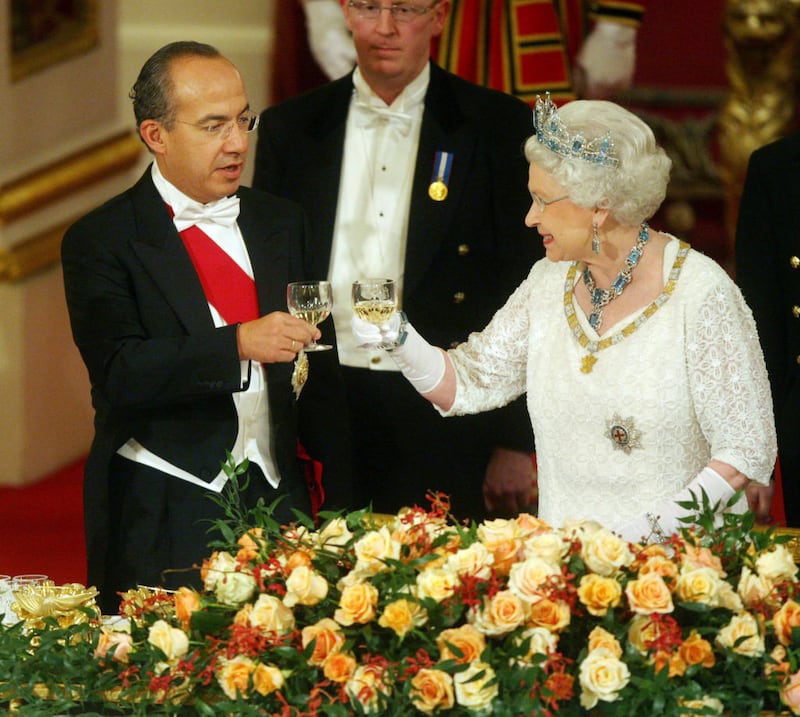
[595, 239]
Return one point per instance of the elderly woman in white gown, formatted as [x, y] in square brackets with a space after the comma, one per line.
[645, 380]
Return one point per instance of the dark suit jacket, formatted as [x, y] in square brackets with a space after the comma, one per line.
[160, 371]
[466, 254]
[768, 272]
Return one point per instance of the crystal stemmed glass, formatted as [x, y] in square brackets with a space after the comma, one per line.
[311, 301]
[374, 300]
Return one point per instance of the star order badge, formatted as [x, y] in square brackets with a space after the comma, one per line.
[623, 434]
[300, 373]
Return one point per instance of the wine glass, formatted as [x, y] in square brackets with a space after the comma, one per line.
[374, 301]
[311, 301]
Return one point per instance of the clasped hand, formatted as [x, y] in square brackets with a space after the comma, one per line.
[370, 336]
[273, 338]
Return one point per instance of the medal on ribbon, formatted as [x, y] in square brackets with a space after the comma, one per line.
[442, 165]
[300, 373]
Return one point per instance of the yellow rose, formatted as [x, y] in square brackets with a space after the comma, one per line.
[784, 620]
[466, 639]
[267, 679]
[540, 642]
[642, 631]
[605, 553]
[269, 614]
[432, 690]
[357, 604]
[502, 613]
[215, 568]
[339, 667]
[599, 593]
[172, 641]
[235, 587]
[790, 694]
[328, 637]
[695, 650]
[437, 583]
[367, 685]
[708, 702]
[475, 560]
[741, 626]
[601, 638]
[234, 676]
[373, 549]
[777, 565]
[305, 586]
[334, 535]
[403, 615]
[474, 692]
[649, 594]
[602, 676]
[187, 601]
[527, 578]
[549, 546]
[701, 586]
[554, 615]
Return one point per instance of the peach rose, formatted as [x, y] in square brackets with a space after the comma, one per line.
[642, 631]
[500, 614]
[437, 583]
[602, 676]
[216, 567]
[554, 615]
[602, 638]
[296, 559]
[741, 626]
[250, 544]
[234, 676]
[269, 614]
[599, 593]
[784, 620]
[476, 686]
[672, 661]
[527, 578]
[328, 637]
[605, 553]
[695, 650]
[172, 641]
[695, 557]
[432, 690]
[661, 565]
[700, 585]
[373, 549]
[467, 640]
[753, 588]
[790, 694]
[649, 594]
[403, 615]
[357, 604]
[305, 586]
[777, 565]
[529, 524]
[187, 601]
[267, 679]
[339, 667]
[549, 546]
[119, 644]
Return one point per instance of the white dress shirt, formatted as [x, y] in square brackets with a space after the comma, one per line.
[369, 235]
[252, 404]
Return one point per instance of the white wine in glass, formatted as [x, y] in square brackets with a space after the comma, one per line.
[374, 301]
[310, 301]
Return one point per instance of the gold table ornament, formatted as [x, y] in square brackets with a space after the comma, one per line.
[34, 603]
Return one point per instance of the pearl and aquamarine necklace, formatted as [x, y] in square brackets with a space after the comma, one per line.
[600, 298]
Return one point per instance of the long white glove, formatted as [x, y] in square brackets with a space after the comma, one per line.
[606, 61]
[663, 521]
[422, 364]
[328, 38]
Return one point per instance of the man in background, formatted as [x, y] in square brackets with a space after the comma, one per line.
[409, 172]
[176, 291]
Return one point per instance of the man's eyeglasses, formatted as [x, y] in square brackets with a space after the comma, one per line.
[245, 122]
[400, 12]
[541, 204]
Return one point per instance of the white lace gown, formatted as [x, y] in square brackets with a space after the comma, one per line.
[673, 386]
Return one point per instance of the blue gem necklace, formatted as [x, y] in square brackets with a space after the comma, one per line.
[600, 298]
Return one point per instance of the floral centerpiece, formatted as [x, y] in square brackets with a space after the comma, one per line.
[418, 614]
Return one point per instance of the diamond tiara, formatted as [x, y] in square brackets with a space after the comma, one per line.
[553, 134]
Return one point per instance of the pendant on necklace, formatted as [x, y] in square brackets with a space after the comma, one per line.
[587, 363]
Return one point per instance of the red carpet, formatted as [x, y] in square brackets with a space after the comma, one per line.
[41, 527]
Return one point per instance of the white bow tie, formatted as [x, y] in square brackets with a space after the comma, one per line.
[368, 115]
[223, 211]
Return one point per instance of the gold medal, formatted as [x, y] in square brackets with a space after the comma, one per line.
[300, 373]
[438, 190]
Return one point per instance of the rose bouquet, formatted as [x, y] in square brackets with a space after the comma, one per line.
[418, 614]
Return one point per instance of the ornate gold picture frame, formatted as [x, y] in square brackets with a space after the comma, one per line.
[47, 33]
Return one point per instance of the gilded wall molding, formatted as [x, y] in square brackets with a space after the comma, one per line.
[35, 191]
